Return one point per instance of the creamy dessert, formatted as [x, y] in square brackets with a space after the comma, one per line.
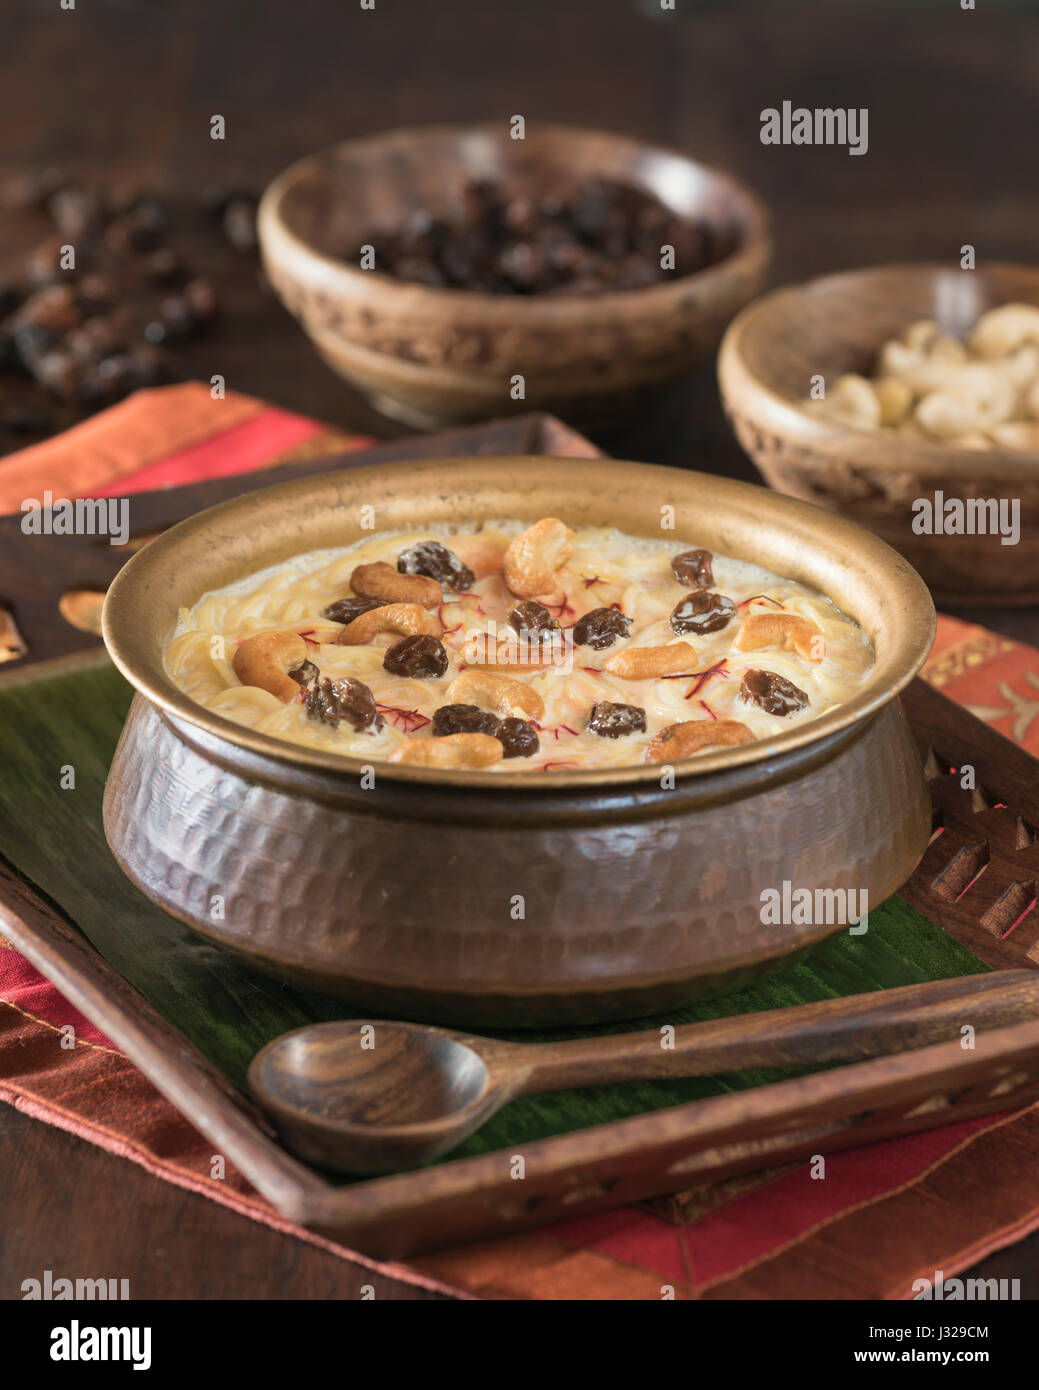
[514, 648]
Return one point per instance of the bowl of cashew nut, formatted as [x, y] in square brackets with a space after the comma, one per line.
[907, 397]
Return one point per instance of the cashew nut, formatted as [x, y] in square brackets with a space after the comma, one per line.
[947, 351]
[946, 416]
[895, 359]
[999, 331]
[533, 557]
[643, 663]
[405, 619]
[894, 398]
[1022, 366]
[979, 394]
[919, 336]
[450, 751]
[499, 693]
[692, 735]
[383, 581]
[787, 630]
[853, 401]
[266, 659]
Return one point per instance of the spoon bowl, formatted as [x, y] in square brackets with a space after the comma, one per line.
[387, 1093]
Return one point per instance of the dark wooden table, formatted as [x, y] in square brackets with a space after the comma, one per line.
[123, 90]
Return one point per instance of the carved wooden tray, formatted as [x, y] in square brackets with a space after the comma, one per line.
[976, 882]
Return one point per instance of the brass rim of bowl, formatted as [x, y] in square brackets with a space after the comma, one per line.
[865, 578]
[752, 250]
[744, 393]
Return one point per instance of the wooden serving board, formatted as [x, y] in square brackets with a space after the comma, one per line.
[190, 1021]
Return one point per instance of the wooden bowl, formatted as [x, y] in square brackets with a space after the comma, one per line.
[835, 325]
[398, 896]
[439, 356]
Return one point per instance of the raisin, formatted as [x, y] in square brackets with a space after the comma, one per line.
[614, 721]
[530, 617]
[349, 699]
[201, 297]
[76, 212]
[420, 657]
[600, 628]
[693, 568]
[435, 561]
[306, 674]
[30, 191]
[464, 719]
[774, 693]
[576, 238]
[59, 372]
[345, 610]
[518, 737]
[702, 612]
[162, 266]
[239, 221]
[177, 317]
[110, 378]
[44, 265]
[31, 341]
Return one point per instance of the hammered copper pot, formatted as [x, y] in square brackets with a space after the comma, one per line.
[521, 898]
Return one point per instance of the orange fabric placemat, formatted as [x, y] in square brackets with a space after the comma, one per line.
[889, 1213]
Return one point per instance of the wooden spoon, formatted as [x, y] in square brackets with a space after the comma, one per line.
[364, 1096]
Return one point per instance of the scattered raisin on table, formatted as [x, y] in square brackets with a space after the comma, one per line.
[306, 674]
[693, 567]
[92, 333]
[773, 692]
[610, 720]
[600, 628]
[464, 719]
[530, 618]
[702, 612]
[420, 656]
[518, 737]
[435, 561]
[345, 610]
[346, 698]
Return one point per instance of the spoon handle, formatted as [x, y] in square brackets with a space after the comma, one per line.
[849, 1029]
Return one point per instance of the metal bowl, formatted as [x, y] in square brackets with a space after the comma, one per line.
[402, 896]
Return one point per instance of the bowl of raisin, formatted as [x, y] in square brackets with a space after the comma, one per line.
[458, 273]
